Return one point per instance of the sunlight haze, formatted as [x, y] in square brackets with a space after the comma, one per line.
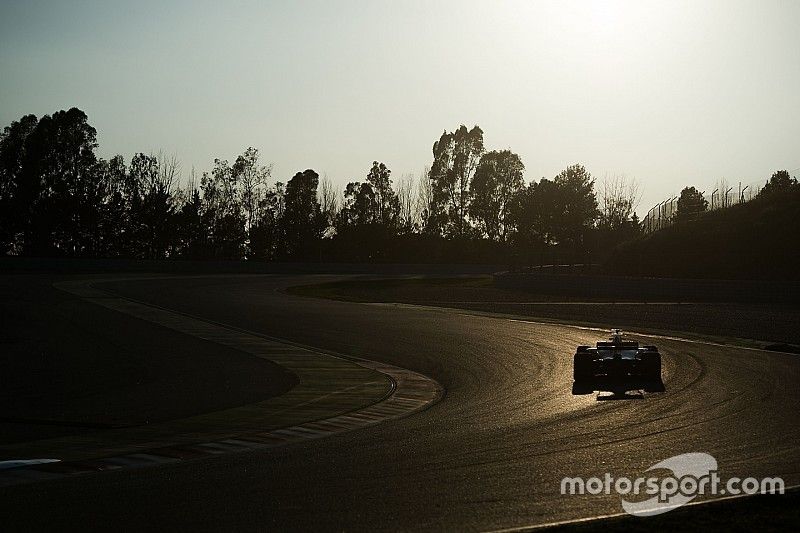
[669, 93]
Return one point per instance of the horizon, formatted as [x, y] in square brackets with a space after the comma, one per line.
[671, 95]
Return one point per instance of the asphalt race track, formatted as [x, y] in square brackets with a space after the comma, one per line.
[489, 455]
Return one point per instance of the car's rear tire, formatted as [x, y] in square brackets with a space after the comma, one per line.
[651, 363]
[580, 388]
[583, 367]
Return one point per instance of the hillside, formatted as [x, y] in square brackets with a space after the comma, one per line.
[756, 240]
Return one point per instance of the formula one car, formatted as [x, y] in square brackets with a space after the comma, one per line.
[617, 364]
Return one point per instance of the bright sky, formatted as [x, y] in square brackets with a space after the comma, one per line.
[671, 93]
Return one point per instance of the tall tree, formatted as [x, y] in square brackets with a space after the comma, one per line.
[250, 179]
[455, 159]
[386, 202]
[302, 220]
[58, 171]
[497, 181]
[15, 196]
[578, 204]
[360, 206]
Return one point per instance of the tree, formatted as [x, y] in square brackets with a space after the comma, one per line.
[359, 207]
[57, 173]
[372, 202]
[408, 214]
[15, 198]
[113, 217]
[235, 198]
[497, 181]
[619, 198]
[329, 204]
[535, 213]
[150, 186]
[426, 204]
[618, 222]
[302, 220]
[266, 235]
[223, 214]
[386, 202]
[561, 211]
[251, 180]
[780, 181]
[455, 159]
[577, 203]
[690, 204]
[191, 232]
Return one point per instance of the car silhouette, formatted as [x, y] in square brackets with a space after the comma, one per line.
[617, 365]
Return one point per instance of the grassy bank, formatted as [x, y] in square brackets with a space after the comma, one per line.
[755, 240]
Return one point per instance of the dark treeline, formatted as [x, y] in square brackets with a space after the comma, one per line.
[58, 198]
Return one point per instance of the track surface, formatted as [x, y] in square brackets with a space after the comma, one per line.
[490, 455]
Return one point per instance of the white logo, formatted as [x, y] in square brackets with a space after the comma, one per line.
[692, 474]
[688, 470]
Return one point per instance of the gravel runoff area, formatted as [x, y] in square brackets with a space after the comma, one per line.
[68, 367]
[773, 326]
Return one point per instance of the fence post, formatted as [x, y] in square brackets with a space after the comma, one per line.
[672, 209]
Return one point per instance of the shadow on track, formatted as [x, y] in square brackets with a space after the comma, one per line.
[619, 389]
